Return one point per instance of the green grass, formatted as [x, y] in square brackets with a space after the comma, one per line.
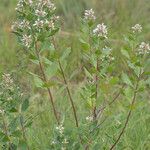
[120, 15]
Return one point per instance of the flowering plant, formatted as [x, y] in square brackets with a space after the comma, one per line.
[36, 28]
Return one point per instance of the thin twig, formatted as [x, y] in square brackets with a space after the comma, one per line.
[128, 116]
[98, 126]
[110, 103]
[48, 89]
[69, 94]
[96, 92]
[67, 88]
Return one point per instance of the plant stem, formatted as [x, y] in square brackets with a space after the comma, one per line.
[69, 94]
[68, 90]
[110, 103]
[45, 80]
[129, 114]
[96, 86]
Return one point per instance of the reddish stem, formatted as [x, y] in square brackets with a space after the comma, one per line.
[48, 89]
[128, 116]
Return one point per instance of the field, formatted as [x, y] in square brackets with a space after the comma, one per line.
[71, 94]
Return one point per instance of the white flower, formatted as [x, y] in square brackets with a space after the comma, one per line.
[53, 142]
[89, 118]
[1, 111]
[107, 58]
[39, 23]
[50, 24]
[65, 141]
[137, 28]
[55, 18]
[107, 49]
[60, 129]
[19, 5]
[100, 30]
[48, 4]
[30, 2]
[144, 48]
[7, 81]
[89, 15]
[20, 25]
[15, 26]
[40, 13]
[27, 40]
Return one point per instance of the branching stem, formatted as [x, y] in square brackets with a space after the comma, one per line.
[45, 80]
[67, 88]
[129, 114]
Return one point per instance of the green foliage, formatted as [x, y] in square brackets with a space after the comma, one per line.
[114, 71]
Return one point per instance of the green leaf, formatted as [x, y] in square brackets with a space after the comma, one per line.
[65, 54]
[17, 133]
[46, 45]
[51, 70]
[33, 59]
[85, 45]
[2, 135]
[125, 53]
[46, 61]
[49, 84]
[126, 79]
[38, 82]
[87, 73]
[114, 80]
[25, 105]
[22, 145]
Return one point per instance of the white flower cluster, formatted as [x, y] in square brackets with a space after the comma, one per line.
[42, 19]
[101, 30]
[26, 40]
[40, 13]
[89, 15]
[109, 58]
[48, 4]
[137, 28]
[20, 4]
[60, 129]
[20, 25]
[144, 48]
[7, 81]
